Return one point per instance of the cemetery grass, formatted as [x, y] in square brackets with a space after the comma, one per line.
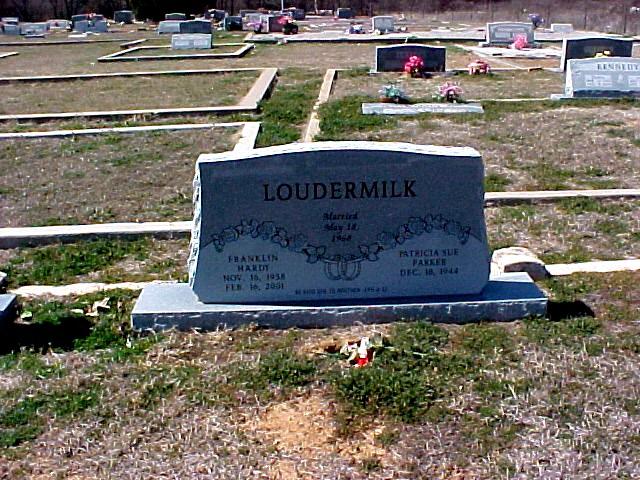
[477, 401]
[116, 93]
[103, 178]
[525, 146]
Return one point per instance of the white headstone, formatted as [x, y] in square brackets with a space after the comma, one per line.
[562, 27]
[383, 23]
[191, 41]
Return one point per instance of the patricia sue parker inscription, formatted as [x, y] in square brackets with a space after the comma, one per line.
[336, 232]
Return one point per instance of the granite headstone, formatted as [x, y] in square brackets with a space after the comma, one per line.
[232, 23]
[588, 47]
[504, 33]
[175, 16]
[195, 26]
[191, 41]
[169, 26]
[40, 28]
[392, 58]
[345, 13]
[272, 23]
[8, 308]
[561, 27]
[383, 24]
[59, 24]
[123, 16]
[609, 77]
[299, 223]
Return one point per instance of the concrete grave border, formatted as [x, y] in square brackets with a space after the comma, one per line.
[59, 42]
[13, 237]
[243, 49]
[249, 103]
[8, 54]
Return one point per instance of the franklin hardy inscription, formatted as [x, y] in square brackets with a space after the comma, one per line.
[338, 220]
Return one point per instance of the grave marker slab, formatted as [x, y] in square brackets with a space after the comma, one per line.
[562, 27]
[588, 47]
[609, 77]
[384, 24]
[10, 29]
[504, 33]
[40, 28]
[392, 58]
[191, 41]
[345, 13]
[195, 26]
[418, 108]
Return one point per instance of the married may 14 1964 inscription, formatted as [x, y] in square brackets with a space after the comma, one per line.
[339, 220]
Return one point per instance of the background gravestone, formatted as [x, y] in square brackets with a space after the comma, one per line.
[175, 16]
[195, 26]
[611, 77]
[301, 224]
[191, 41]
[345, 13]
[392, 58]
[383, 24]
[562, 27]
[504, 33]
[34, 28]
[272, 23]
[59, 24]
[123, 16]
[588, 47]
[169, 26]
[232, 23]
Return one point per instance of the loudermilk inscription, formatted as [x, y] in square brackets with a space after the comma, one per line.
[339, 220]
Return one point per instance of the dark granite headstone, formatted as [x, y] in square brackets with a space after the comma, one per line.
[244, 13]
[588, 47]
[8, 308]
[610, 77]
[233, 23]
[392, 58]
[123, 16]
[345, 13]
[195, 26]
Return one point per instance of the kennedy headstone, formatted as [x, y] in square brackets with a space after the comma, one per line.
[392, 58]
[191, 41]
[169, 26]
[504, 33]
[610, 77]
[175, 16]
[383, 24]
[195, 26]
[588, 47]
[123, 16]
[296, 235]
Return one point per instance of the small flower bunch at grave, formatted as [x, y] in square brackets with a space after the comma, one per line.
[393, 94]
[479, 67]
[520, 42]
[606, 53]
[414, 66]
[361, 353]
[449, 92]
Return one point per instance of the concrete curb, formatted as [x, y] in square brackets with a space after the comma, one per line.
[313, 127]
[8, 54]
[243, 49]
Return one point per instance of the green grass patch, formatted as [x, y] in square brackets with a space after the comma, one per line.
[60, 264]
[341, 117]
[494, 182]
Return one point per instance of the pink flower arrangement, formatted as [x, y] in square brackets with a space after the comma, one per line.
[449, 92]
[478, 67]
[414, 66]
[520, 42]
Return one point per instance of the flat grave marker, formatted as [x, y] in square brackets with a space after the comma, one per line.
[191, 41]
[392, 58]
[419, 108]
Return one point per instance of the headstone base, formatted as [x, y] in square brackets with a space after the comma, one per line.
[596, 95]
[8, 307]
[507, 297]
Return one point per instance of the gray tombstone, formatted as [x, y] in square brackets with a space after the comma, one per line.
[562, 27]
[299, 223]
[345, 13]
[504, 33]
[11, 29]
[335, 233]
[59, 24]
[250, 20]
[383, 24]
[31, 29]
[232, 23]
[123, 16]
[191, 41]
[81, 26]
[272, 23]
[169, 26]
[392, 58]
[175, 16]
[10, 20]
[610, 77]
[195, 26]
[588, 47]
[98, 26]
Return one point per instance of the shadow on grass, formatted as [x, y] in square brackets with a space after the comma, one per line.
[43, 336]
[558, 311]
